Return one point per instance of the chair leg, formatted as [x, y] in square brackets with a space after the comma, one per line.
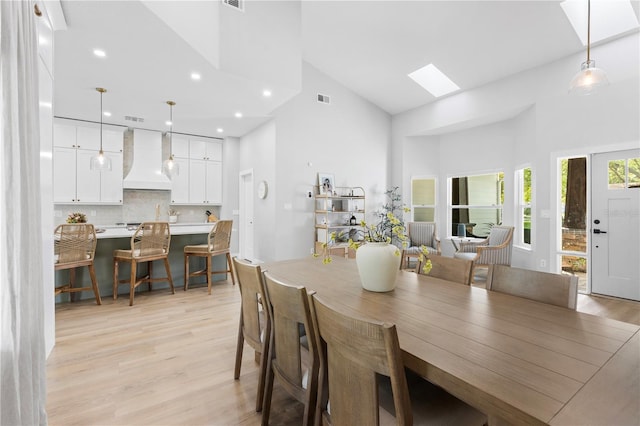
[268, 391]
[208, 266]
[132, 283]
[230, 265]
[239, 349]
[94, 284]
[473, 273]
[72, 281]
[115, 279]
[169, 277]
[150, 273]
[186, 271]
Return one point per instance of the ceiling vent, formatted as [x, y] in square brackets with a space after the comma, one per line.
[236, 4]
[136, 119]
[324, 99]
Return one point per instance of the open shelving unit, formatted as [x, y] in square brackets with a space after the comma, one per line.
[340, 211]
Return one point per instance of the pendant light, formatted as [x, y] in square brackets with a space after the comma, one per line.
[100, 162]
[589, 77]
[169, 167]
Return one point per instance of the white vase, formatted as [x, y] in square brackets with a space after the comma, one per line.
[378, 266]
[173, 219]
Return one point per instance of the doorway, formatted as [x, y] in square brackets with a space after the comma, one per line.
[615, 224]
[246, 215]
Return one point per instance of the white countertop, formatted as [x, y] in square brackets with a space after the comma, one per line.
[121, 231]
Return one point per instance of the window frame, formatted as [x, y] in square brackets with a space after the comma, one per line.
[435, 196]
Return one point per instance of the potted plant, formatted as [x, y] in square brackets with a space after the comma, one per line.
[77, 217]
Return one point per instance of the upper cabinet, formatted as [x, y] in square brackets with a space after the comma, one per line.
[200, 178]
[73, 180]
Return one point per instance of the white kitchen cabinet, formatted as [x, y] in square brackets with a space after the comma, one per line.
[214, 182]
[200, 149]
[180, 147]
[180, 183]
[205, 182]
[73, 180]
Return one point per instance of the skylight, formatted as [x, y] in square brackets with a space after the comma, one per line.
[434, 81]
[608, 18]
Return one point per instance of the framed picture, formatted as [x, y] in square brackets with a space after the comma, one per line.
[326, 183]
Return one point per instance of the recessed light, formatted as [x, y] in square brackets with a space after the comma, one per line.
[238, 115]
[195, 76]
[168, 123]
[99, 53]
[220, 130]
[107, 114]
[266, 93]
[434, 81]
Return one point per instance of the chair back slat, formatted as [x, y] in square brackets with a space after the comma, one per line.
[545, 287]
[74, 243]
[449, 268]
[356, 351]
[150, 239]
[252, 293]
[220, 235]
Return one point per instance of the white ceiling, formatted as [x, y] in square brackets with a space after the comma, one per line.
[369, 46]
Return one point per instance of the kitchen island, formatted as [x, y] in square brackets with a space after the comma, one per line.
[119, 237]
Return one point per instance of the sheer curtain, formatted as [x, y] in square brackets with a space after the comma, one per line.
[22, 349]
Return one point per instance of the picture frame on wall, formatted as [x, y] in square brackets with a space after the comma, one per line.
[326, 183]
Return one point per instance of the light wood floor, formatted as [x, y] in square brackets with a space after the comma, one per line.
[169, 359]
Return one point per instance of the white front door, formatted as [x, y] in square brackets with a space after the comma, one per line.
[246, 215]
[615, 224]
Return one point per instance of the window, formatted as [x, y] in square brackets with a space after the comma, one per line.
[476, 203]
[624, 173]
[523, 207]
[423, 199]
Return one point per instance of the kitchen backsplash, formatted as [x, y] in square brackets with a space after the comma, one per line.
[138, 206]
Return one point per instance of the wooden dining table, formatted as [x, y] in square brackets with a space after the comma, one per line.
[517, 360]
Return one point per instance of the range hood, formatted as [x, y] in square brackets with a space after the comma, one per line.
[146, 168]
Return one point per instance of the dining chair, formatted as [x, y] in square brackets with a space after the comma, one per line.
[218, 243]
[149, 242]
[448, 268]
[289, 361]
[75, 247]
[493, 250]
[363, 380]
[545, 287]
[419, 234]
[255, 325]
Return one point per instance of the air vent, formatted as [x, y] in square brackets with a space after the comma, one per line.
[324, 99]
[136, 119]
[236, 4]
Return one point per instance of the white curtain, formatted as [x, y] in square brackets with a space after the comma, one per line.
[22, 348]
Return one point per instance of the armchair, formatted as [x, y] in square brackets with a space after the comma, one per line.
[494, 250]
[420, 234]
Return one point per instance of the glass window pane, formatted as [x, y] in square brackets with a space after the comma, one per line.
[424, 214]
[634, 173]
[527, 226]
[576, 265]
[616, 174]
[478, 222]
[526, 185]
[423, 192]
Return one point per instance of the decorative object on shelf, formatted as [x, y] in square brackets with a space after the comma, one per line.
[263, 189]
[77, 217]
[326, 183]
[169, 167]
[100, 162]
[352, 220]
[589, 77]
[173, 215]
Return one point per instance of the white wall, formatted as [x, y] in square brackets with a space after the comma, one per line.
[230, 187]
[536, 121]
[349, 138]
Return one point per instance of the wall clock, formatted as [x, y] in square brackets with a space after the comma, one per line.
[263, 189]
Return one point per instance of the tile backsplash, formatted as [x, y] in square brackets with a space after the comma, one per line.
[138, 206]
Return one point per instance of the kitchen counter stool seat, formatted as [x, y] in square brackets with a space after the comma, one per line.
[218, 243]
[150, 242]
[75, 247]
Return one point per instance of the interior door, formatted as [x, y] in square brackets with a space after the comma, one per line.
[615, 224]
[246, 216]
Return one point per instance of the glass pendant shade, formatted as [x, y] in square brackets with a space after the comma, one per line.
[170, 167]
[101, 162]
[588, 79]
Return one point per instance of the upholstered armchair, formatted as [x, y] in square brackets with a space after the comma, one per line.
[494, 250]
[420, 234]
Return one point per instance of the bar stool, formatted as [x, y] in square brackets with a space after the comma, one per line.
[74, 247]
[218, 243]
[150, 242]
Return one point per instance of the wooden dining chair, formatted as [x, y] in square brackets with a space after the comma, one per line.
[362, 376]
[290, 362]
[218, 243]
[149, 242]
[545, 287]
[75, 247]
[449, 268]
[255, 325]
